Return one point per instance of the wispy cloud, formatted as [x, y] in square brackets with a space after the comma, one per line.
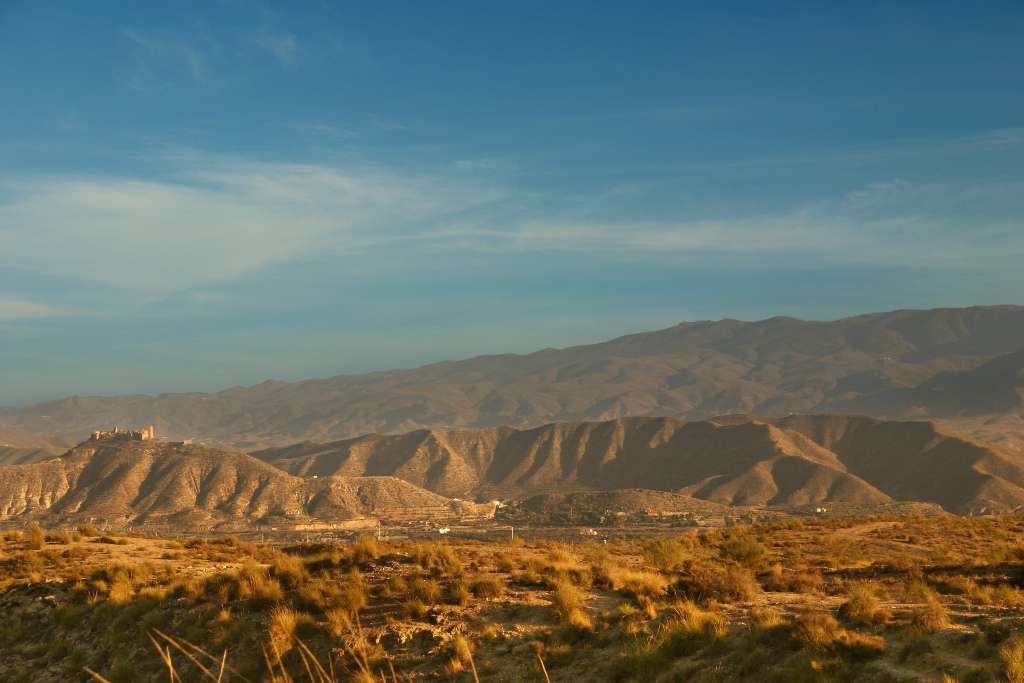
[282, 46]
[23, 309]
[216, 223]
[887, 223]
[157, 57]
[217, 219]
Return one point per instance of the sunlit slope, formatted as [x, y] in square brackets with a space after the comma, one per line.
[732, 460]
[123, 482]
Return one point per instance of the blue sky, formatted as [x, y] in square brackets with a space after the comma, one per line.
[195, 195]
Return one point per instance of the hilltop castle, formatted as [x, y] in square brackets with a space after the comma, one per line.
[144, 434]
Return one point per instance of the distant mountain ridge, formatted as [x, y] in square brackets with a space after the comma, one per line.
[736, 460]
[18, 448]
[890, 365]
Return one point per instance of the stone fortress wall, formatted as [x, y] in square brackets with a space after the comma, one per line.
[144, 434]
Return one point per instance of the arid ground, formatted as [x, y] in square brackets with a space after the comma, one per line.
[869, 599]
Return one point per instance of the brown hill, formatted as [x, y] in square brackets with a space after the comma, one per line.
[987, 401]
[693, 370]
[155, 483]
[732, 460]
[19, 448]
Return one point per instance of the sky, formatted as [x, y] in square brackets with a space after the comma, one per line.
[198, 195]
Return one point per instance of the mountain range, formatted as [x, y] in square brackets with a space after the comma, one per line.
[735, 460]
[695, 466]
[963, 366]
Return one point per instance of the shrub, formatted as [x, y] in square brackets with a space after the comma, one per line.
[122, 672]
[289, 570]
[488, 587]
[393, 587]
[765, 618]
[87, 530]
[1007, 596]
[703, 582]
[351, 597]
[460, 652]
[121, 592]
[931, 616]
[424, 590]
[504, 562]
[687, 629]
[642, 584]
[415, 608]
[742, 549]
[459, 593]
[567, 606]
[251, 582]
[364, 549]
[862, 608]
[338, 621]
[816, 630]
[664, 554]
[1012, 654]
[779, 580]
[559, 554]
[437, 558]
[36, 537]
[530, 574]
[281, 626]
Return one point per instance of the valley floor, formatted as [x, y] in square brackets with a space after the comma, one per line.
[882, 598]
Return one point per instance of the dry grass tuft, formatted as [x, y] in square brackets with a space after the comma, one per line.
[289, 570]
[488, 587]
[364, 549]
[862, 608]
[1012, 654]
[568, 603]
[281, 626]
[36, 537]
[931, 615]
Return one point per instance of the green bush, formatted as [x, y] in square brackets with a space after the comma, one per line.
[743, 549]
[664, 554]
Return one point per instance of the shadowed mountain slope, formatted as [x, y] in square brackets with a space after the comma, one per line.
[986, 402]
[693, 370]
[150, 482]
[732, 460]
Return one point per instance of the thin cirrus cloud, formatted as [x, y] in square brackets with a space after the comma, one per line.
[23, 309]
[213, 224]
[155, 59]
[282, 46]
[889, 223]
[220, 219]
[159, 57]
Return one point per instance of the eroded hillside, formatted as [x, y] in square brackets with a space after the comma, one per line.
[732, 460]
[189, 487]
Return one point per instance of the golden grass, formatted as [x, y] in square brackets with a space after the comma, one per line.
[674, 626]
